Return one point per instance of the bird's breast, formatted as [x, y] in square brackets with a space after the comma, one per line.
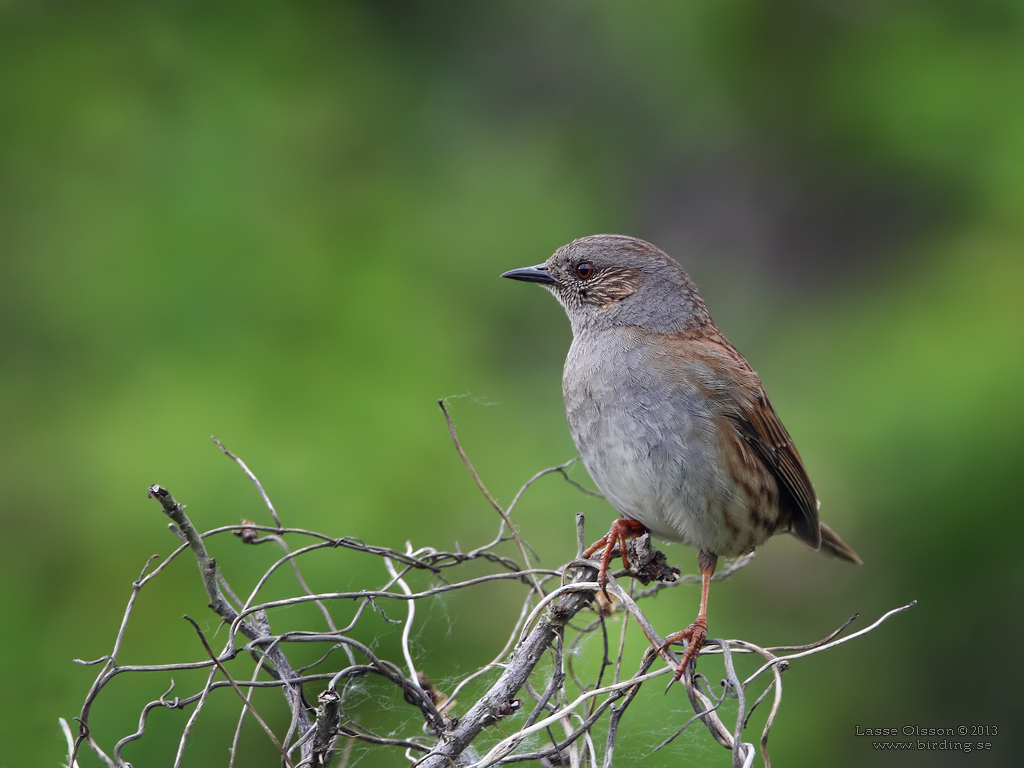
[649, 439]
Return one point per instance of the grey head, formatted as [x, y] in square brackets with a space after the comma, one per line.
[610, 281]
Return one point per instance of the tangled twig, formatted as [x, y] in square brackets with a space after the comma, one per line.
[441, 730]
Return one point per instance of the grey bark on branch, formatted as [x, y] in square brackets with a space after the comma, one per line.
[535, 663]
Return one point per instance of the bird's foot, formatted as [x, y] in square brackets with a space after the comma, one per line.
[694, 635]
[621, 530]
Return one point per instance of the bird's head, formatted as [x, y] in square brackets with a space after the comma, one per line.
[607, 281]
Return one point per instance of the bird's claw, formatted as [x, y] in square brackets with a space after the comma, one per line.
[695, 635]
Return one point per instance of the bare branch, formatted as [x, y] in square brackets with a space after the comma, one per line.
[234, 685]
[251, 476]
[537, 661]
[487, 494]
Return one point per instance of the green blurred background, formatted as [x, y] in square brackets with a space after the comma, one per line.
[283, 224]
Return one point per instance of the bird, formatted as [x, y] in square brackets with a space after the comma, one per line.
[670, 421]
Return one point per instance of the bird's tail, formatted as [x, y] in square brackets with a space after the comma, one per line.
[832, 545]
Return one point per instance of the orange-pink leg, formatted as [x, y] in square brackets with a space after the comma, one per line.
[696, 633]
[621, 530]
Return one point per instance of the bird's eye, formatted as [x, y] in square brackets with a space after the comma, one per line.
[584, 270]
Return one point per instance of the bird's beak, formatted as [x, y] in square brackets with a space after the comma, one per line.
[537, 274]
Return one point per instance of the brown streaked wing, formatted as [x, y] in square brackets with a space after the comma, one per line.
[746, 405]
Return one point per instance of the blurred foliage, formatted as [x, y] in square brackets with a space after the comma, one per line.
[282, 224]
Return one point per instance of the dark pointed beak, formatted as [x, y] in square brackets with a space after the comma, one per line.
[537, 274]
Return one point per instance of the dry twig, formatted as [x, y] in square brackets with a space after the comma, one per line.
[442, 731]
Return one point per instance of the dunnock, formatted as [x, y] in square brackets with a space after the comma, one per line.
[671, 422]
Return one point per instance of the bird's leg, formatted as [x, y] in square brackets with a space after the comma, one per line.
[696, 633]
[621, 530]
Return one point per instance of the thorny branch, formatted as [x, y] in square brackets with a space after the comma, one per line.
[539, 660]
